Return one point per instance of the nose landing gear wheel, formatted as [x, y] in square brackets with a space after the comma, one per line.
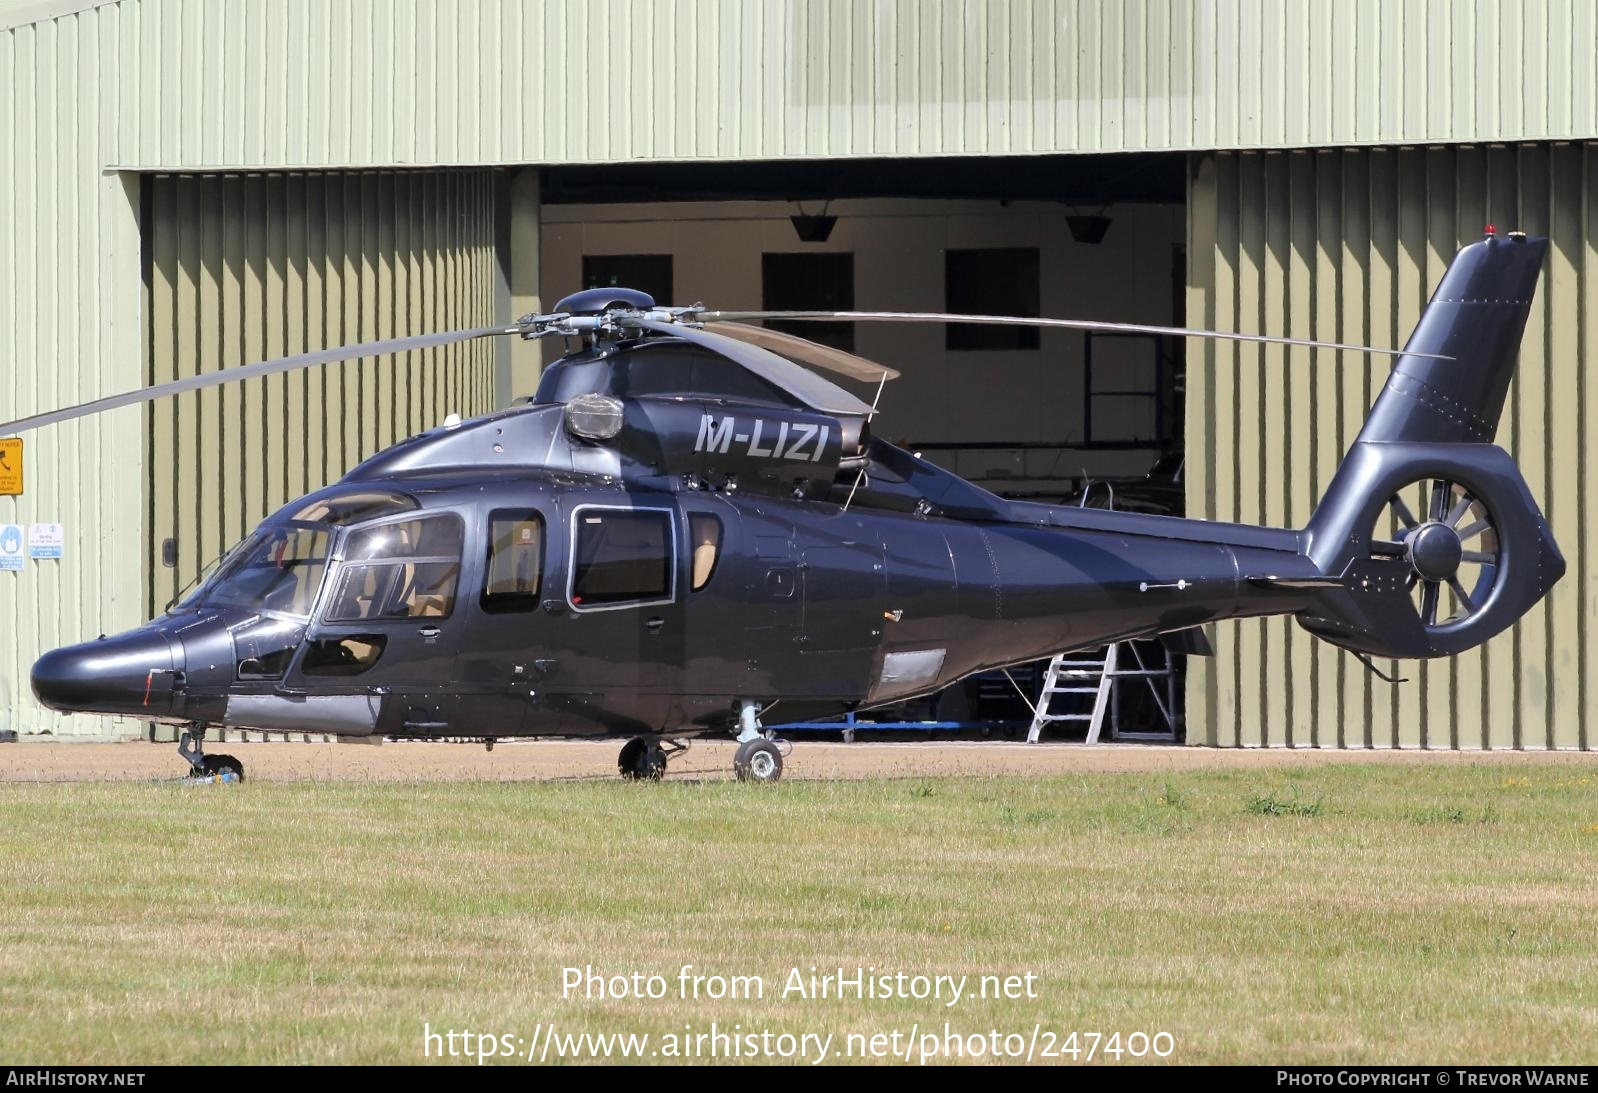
[220, 768]
[207, 768]
[641, 760]
[758, 761]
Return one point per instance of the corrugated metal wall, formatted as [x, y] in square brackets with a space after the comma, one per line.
[1347, 246]
[245, 268]
[70, 330]
[305, 83]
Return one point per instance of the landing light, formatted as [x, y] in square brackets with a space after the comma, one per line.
[594, 417]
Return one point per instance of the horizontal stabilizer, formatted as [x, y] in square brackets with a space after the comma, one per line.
[1295, 582]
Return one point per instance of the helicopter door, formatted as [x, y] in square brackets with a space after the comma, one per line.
[505, 651]
[389, 626]
[716, 606]
[622, 639]
[841, 626]
[771, 592]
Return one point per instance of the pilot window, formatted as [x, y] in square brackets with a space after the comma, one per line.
[515, 562]
[352, 508]
[277, 569]
[621, 556]
[704, 539]
[404, 570]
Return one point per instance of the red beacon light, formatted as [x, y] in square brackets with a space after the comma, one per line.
[1490, 230]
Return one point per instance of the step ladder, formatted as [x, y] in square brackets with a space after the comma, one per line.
[1096, 672]
[1078, 673]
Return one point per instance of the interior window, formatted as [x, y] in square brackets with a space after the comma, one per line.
[810, 281]
[402, 570]
[622, 556]
[991, 281]
[704, 539]
[515, 561]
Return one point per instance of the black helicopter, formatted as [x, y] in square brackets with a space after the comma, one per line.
[684, 530]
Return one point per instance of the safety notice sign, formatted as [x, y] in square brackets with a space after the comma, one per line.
[11, 556]
[46, 540]
[10, 466]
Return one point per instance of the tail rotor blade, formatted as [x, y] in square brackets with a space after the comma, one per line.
[254, 371]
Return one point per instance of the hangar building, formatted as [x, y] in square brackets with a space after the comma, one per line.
[193, 184]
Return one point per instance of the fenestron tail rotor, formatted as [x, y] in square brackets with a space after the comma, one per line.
[1449, 538]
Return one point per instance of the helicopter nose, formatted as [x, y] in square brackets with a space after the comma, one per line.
[131, 674]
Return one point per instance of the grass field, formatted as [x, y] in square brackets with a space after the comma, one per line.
[1339, 912]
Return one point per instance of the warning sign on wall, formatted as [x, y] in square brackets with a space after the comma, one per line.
[46, 540]
[11, 466]
[11, 556]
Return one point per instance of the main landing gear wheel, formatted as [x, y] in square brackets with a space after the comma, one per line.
[758, 761]
[642, 760]
[1451, 547]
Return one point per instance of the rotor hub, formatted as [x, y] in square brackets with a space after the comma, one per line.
[1434, 551]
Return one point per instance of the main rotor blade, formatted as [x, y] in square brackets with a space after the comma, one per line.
[803, 384]
[806, 351]
[1069, 324]
[253, 371]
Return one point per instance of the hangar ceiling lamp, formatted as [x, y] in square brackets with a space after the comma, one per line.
[1088, 228]
[813, 228]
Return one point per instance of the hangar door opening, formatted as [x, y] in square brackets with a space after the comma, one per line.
[1052, 415]
[239, 268]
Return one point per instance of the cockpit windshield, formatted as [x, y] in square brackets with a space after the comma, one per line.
[353, 508]
[277, 569]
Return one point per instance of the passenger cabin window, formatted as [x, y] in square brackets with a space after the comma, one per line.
[515, 562]
[404, 570]
[621, 556]
[704, 538]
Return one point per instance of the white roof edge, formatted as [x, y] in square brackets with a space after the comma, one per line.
[28, 12]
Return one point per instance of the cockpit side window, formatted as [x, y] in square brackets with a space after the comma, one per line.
[403, 570]
[515, 569]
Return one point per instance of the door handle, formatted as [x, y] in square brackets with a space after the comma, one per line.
[654, 625]
[429, 632]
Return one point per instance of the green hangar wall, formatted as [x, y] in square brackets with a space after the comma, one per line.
[1347, 245]
[186, 184]
[245, 267]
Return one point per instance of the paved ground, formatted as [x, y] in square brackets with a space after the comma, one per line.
[546, 760]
